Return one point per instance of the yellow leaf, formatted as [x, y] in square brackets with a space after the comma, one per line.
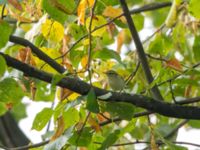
[84, 61]
[96, 22]
[91, 2]
[172, 16]
[52, 30]
[82, 8]
[113, 12]
[5, 10]
[53, 53]
[86, 42]
[73, 96]
[64, 93]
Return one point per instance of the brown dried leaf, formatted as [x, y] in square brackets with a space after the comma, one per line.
[174, 64]
[64, 93]
[94, 124]
[60, 128]
[15, 4]
[101, 118]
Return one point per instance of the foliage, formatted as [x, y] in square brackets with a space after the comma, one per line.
[88, 38]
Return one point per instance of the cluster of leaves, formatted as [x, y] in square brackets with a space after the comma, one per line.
[79, 35]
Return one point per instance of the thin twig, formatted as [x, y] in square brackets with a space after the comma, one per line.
[130, 77]
[172, 92]
[140, 114]
[49, 123]
[105, 117]
[154, 33]
[155, 58]
[28, 146]
[189, 101]
[90, 41]
[174, 131]
[146, 142]
[178, 75]
[82, 127]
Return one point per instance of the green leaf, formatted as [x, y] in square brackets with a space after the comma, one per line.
[76, 56]
[139, 131]
[44, 92]
[110, 2]
[10, 91]
[92, 104]
[113, 137]
[66, 6]
[194, 124]
[5, 31]
[98, 21]
[76, 31]
[19, 111]
[138, 21]
[172, 15]
[68, 119]
[82, 138]
[186, 81]
[2, 66]
[106, 54]
[3, 108]
[56, 9]
[196, 48]
[157, 45]
[120, 24]
[120, 109]
[194, 8]
[107, 39]
[42, 118]
[110, 140]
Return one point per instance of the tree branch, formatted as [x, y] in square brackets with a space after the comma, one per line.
[27, 146]
[37, 52]
[81, 87]
[140, 50]
[146, 142]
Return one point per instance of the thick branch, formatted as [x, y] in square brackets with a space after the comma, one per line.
[140, 50]
[79, 86]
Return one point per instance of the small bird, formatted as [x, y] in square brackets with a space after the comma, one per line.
[115, 81]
